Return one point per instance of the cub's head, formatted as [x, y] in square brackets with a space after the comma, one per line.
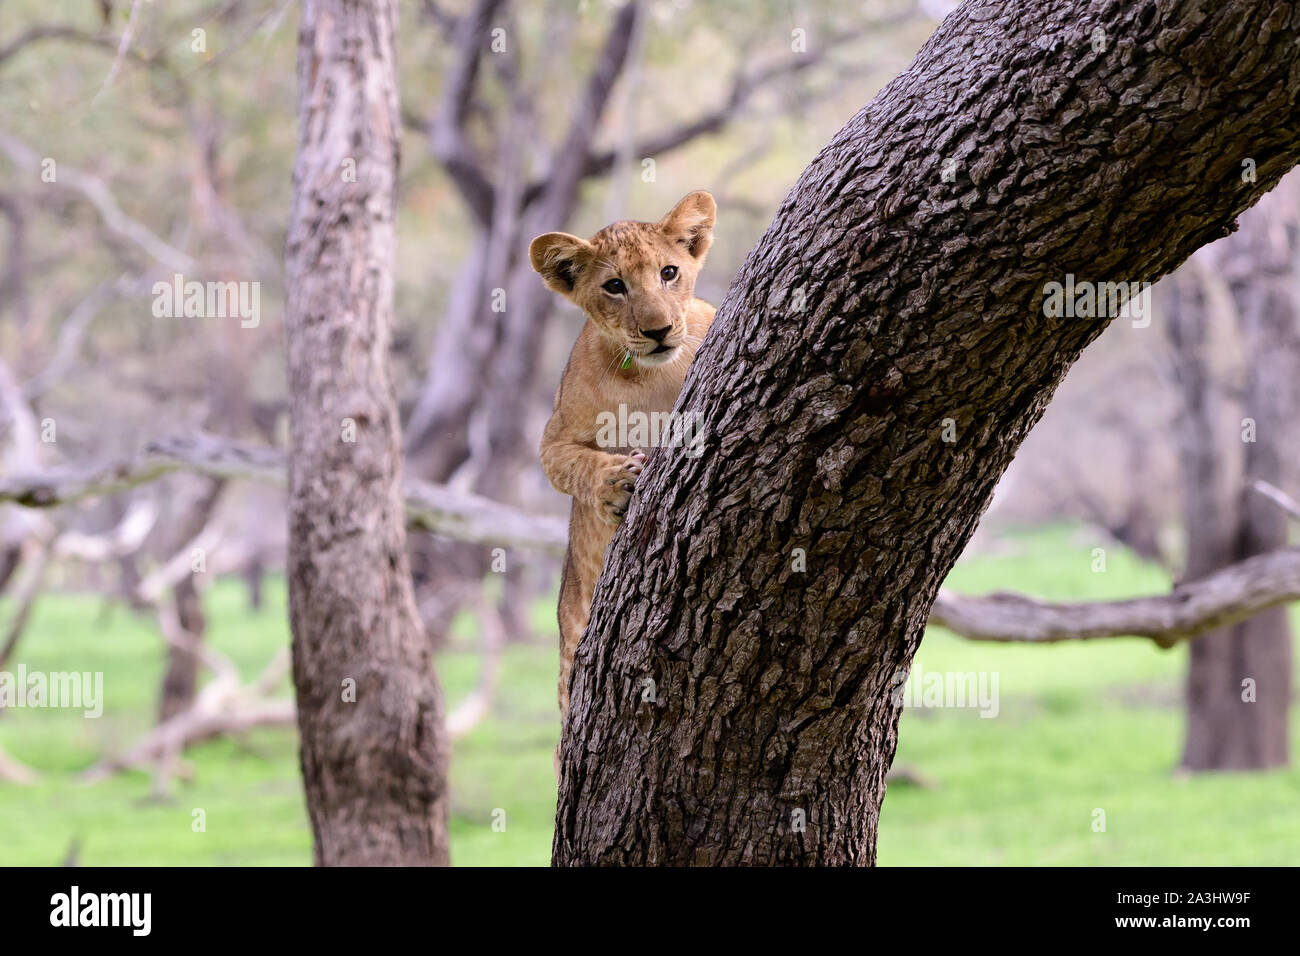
[634, 280]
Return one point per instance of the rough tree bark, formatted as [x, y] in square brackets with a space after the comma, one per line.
[373, 745]
[729, 708]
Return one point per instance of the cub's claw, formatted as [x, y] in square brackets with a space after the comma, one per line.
[619, 486]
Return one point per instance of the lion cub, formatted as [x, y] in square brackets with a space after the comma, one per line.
[636, 283]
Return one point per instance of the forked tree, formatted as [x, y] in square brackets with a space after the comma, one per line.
[731, 700]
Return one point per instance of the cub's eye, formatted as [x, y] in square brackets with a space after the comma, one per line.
[669, 273]
[614, 287]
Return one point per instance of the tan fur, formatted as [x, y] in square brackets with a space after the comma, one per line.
[602, 480]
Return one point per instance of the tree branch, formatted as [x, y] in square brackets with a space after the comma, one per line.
[122, 48]
[58, 31]
[99, 196]
[224, 706]
[743, 86]
[1278, 497]
[442, 510]
[569, 168]
[73, 331]
[1232, 594]
[1225, 597]
[447, 132]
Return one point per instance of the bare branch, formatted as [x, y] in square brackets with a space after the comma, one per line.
[200, 453]
[178, 567]
[478, 520]
[57, 31]
[122, 49]
[743, 87]
[1225, 597]
[1230, 594]
[223, 706]
[454, 514]
[99, 196]
[124, 540]
[73, 331]
[448, 137]
[569, 167]
[219, 710]
[174, 633]
[1278, 497]
[446, 21]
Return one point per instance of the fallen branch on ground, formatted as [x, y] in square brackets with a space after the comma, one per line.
[222, 707]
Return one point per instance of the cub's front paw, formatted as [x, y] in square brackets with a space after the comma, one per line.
[617, 484]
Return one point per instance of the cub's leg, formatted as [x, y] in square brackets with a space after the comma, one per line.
[572, 614]
[589, 538]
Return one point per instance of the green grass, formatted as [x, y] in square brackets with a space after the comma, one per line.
[1080, 728]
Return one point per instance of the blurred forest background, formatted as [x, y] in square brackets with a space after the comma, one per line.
[139, 140]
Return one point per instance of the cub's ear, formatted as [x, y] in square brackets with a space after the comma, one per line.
[559, 259]
[691, 223]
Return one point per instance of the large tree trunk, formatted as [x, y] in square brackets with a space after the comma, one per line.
[730, 708]
[373, 744]
[1239, 678]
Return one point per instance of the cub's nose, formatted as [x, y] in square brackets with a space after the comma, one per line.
[657, 334]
